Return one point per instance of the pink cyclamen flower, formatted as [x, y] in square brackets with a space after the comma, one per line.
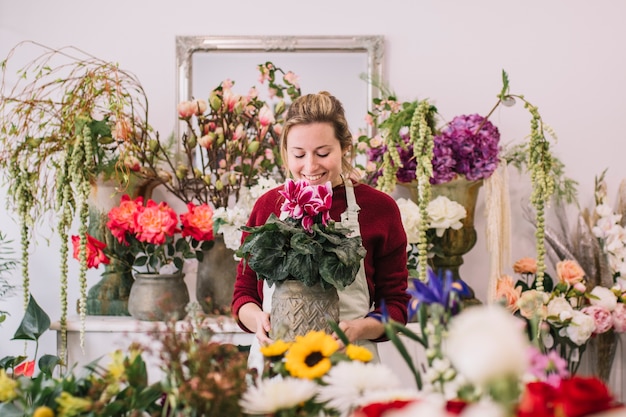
[601, 317]
[156, 222]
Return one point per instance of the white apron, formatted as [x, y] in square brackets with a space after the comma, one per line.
[354, 300]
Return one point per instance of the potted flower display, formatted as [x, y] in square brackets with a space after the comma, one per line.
[305, 253]
[151, 236]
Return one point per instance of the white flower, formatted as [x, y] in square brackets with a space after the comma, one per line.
[605, 298]
[271, 395]
[346, 382]
[444, 214]
[486, 343]
[580, 328]
[410, 214]
[560, 307]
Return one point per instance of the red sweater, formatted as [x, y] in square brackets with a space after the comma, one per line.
[383, 238]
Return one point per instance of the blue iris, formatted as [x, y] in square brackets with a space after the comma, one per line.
[437, 290]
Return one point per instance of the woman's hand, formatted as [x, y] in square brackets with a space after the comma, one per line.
[257, 321]
[363, 328]
[263, 327]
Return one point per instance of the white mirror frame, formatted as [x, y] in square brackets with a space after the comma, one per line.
[372, 46]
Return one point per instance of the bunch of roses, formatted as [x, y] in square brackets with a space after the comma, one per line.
[573, 312]
[150, 234]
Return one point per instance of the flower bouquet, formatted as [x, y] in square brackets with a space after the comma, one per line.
[151, 235]
[565, 315]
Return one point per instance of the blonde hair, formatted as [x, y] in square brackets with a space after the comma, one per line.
[322, 107]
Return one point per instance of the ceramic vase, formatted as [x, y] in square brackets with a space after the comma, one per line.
[298, 309]
[216, 278]
[158, 297]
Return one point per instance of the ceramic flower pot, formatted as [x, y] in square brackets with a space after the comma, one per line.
[298, 309]
[216, 278]
[158, 297]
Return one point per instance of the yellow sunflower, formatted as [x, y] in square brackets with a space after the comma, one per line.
[358, 353]
[308, 357]
[278, 348]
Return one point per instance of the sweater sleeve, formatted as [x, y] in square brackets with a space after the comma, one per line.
[249, 289]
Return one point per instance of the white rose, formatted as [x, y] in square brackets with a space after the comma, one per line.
[605, 298]
[580, 328]
[444, 213]
[559, 307]
[410, 214]
[485, 343]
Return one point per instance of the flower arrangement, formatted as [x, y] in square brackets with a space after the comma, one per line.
[564, 315]
[410, 147]
[230, 141]
[150, 235]
[443, 214]
[307, 245]
[318, 375]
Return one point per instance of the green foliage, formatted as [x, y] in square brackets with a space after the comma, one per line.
[34, 323]
[280, 250]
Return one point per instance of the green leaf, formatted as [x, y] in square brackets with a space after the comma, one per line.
[47, 364]
[34, 323]
[10, 410]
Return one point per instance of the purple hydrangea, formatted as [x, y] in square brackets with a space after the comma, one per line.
[462, 149]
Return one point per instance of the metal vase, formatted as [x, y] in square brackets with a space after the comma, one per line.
[298, 309]
[158, 297]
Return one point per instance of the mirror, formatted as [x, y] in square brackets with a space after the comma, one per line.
[342, 65]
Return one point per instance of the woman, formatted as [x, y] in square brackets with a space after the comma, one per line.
[316, 146]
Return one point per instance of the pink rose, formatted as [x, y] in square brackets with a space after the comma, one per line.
[569, 272]
[156, 222]
[601, 317]
[95, 251]
[506, 290]
[525, 266]
[123, 218]
[619, 318]
[198, 222]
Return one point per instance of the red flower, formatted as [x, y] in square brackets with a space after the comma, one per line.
[455, 407]
[580, 396]
[26, 368]
[156, 222]
[378, 409]
[123, 218]
[198, 222]
[95, 251]
[537, 400]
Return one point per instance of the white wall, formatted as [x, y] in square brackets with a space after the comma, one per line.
[565, 56]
